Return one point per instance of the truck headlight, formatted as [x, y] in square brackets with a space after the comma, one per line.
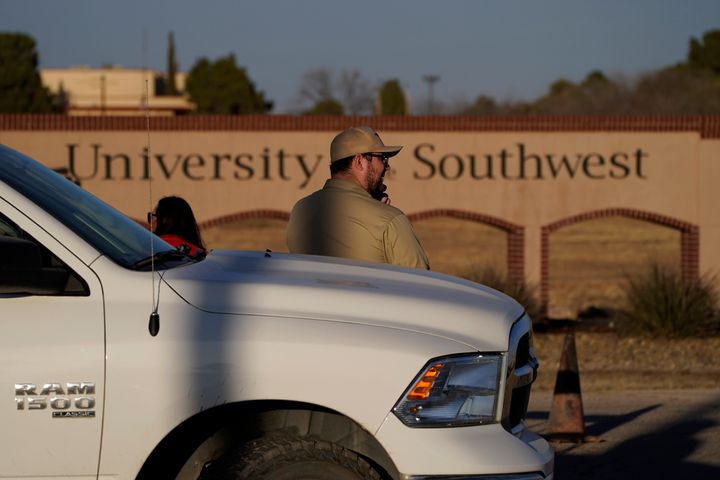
[453, 391]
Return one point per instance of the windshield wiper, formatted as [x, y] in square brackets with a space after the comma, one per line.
[160, 258]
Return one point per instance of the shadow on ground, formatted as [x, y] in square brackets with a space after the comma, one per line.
[597, 425]
[658, 450]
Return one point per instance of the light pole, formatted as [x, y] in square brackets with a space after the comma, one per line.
[431, 81]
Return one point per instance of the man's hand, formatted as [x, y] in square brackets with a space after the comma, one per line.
[382, 196]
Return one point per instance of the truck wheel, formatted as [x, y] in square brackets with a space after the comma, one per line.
[288, 457]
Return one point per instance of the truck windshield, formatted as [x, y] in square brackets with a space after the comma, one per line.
[123, 240]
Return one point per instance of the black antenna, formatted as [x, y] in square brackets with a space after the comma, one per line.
[154, 321]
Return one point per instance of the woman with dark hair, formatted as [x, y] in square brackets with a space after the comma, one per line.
[175, 223]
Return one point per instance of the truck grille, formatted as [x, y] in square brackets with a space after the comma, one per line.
[522, 367]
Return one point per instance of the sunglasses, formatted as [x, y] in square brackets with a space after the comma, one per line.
[385, 159]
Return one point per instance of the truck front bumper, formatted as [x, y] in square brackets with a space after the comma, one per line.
[482, 452]
[520, 476]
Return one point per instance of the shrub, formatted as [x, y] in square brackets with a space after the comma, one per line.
[659, 302]
[520, 290]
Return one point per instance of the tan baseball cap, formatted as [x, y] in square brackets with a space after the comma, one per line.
[358, 140]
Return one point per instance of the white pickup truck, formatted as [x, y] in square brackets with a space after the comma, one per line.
[122, 358]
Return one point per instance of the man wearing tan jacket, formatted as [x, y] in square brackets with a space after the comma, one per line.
[351, 216]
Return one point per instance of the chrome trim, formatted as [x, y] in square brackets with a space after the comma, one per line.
[80, 414]
[511, 476]
[39, 403]
[518, 376]
[55, 388]
[60, 403]
[25, 389]
[81, 388]
[527, 374]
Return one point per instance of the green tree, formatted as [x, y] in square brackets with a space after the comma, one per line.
[61, 100]
[392, 99]
[329, 106]
[221, 87]
[705, 54]
[677, 91]
[595, 79]
[171, 67]
[595, 95]
[21, 89]
[483, 105]
[561, 87]
[689, 88]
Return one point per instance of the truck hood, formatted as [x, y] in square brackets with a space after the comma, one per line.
[342, 290]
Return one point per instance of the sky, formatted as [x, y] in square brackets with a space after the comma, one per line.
[508, 49]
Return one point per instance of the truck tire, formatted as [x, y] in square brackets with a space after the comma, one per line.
[288, 457]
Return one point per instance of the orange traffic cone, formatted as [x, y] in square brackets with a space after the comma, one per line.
[567, 419]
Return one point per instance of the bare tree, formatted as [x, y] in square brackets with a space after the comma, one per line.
[317, 85]
[356, 93]
[350, 89]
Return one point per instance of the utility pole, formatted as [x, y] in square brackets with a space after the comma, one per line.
[431, 80]
[144, 100]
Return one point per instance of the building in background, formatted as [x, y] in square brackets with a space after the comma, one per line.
[115, 91]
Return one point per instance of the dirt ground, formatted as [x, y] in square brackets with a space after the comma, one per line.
[607, 361]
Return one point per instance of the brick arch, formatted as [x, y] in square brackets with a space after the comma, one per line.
[689, 241]
[239, 216]
[515, 235]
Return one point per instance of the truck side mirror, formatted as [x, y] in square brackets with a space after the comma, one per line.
[21, 270]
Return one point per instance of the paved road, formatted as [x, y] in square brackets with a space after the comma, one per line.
[645, 434]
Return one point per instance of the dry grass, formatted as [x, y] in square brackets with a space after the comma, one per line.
[588, 261]
[456, 246]
[252, 234]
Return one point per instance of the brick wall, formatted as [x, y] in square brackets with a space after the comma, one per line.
[706, 126]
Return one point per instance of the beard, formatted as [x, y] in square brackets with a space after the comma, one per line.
[374, 182]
